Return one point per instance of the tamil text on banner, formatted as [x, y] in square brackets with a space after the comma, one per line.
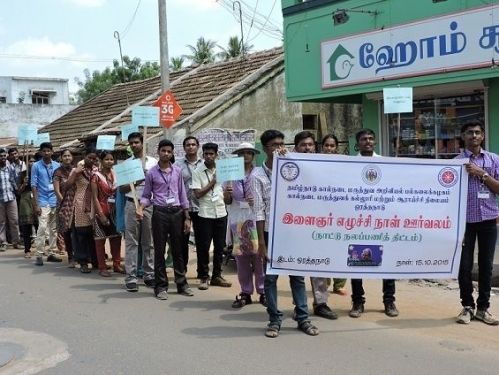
[361, 217]
[128, 172]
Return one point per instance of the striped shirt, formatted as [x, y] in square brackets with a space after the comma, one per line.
[481, 209]
[261, 185]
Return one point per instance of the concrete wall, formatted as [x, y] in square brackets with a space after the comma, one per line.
[13, 115]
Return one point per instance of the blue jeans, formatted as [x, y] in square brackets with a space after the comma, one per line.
[486, 233]
[299, 292]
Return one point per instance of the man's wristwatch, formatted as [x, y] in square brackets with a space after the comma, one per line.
[484, 177]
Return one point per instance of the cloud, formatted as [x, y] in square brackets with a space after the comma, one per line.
[42, 47]
[88, 3]
[195, 5]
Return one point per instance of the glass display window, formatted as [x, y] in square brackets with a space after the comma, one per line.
[433, 129]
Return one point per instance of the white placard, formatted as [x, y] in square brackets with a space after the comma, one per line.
[368, 221]
[397, 99]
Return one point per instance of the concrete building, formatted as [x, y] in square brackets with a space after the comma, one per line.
[30, 100]
[447, 51]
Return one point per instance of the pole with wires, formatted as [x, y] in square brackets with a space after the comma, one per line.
[163, 51]
[241, 24]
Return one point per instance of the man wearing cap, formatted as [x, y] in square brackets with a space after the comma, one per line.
[212, 219]
[238, 196]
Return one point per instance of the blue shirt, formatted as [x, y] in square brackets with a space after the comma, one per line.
[42, 178]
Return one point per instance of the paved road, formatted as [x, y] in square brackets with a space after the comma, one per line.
[54, 320]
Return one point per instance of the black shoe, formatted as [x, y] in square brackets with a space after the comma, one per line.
[357, 310]
[391, 310]
[220, 281]
[151, 283]
[131, 287]
[242, 300]
[263, 300]
[324, 311]
[53, 258]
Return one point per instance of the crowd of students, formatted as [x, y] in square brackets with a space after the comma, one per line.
[77, 208]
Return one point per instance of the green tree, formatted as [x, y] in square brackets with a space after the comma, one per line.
[99, 81]
[203, 52]
[234, 49]
[177, 63]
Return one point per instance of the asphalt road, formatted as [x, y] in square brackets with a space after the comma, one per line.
[54, 320]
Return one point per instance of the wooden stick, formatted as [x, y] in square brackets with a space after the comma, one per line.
[134, 195]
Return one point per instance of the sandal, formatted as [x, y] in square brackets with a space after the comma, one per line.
[341, 292]
[104, 273]
[308, 328]
[84, 269]
[241, 301]
[27, 255]
[119, 269]
[272, 331]
[263, 300]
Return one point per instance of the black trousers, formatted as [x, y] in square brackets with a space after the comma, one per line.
[486, 233]
[210, 230]
[185, 240]
[26, 230]
[388, 291]
[167, 226]
[85, 245]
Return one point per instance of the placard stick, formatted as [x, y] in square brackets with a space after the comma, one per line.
[134, 194]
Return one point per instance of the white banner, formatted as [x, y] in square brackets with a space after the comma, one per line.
[465, 40]
[360, 217]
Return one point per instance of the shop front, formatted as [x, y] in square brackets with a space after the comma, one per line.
[447, 51]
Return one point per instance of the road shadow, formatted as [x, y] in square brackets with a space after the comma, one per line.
[223, 332]
[208, 305]
[397, 323]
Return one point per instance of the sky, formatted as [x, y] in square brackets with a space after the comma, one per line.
[61, 38]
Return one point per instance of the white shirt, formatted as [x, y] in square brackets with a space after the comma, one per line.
[211, 205]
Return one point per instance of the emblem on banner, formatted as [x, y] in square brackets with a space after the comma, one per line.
[290, 171]
[364, 255]
[447, 177]
[371, 174]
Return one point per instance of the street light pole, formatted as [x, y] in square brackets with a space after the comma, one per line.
[163, 51]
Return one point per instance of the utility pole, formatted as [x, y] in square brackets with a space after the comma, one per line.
[163, 51]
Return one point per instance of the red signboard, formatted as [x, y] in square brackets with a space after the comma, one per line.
[169, 109]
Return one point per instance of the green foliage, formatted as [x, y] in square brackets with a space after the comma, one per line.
[234, 49]
[177, 63]
[99, 81]
[203, 52]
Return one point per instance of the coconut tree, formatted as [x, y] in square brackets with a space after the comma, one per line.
[234, 49]
[176, 63]
[203, 52]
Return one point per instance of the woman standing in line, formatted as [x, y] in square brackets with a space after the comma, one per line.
[65, 193]
[330, 146]
[26, 217]
[242, 222]
[82, 212]
[103, 196]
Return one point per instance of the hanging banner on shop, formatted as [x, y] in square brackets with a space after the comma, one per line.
[464, 40]
[368, 221]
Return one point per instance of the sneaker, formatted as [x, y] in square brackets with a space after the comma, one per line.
[203, 285]
[486, 317]
[324, 311]
[357, 310]
[150, 283]
[391, 310]
[241, 301]
[3, 247]
[53, 258]
[131, 287]
[466, 315]
[220, 281]
[71, 264]
[186, 292]
[38, 260]
[163, 295]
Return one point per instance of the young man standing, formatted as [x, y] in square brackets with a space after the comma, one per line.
[481, 215]
[305, 143]
[8, 203]
[366, 140]
[164, 190]
[45, 201]
[138, 232]
[188, 165]
[16, 164]
[212, 219]
[272, 142]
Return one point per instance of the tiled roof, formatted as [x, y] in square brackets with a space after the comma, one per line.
[194, 89]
